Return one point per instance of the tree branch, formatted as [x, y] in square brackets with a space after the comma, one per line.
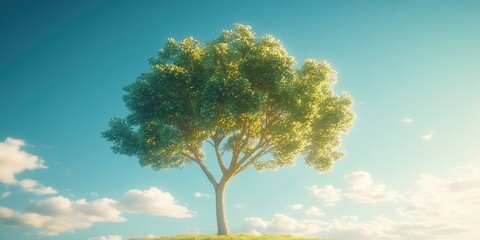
[262, 145]
[205, 170]
[209, 175]
[238, 165]
[251, 161]
[188, 156]
[216, 144]
[237, 147]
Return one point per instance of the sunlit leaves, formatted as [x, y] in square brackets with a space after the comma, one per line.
[240, 91]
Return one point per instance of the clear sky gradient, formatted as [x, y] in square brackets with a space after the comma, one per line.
[412, 169]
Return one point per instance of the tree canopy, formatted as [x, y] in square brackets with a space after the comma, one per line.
[242, 94]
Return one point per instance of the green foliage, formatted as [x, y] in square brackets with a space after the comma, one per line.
[241, 93]
[234, 237]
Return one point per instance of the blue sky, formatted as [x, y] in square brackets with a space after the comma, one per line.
[413, 164]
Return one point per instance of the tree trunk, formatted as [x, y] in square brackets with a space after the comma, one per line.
[222, 226]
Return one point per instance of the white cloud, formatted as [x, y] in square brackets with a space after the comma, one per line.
[14, 160]
[194, 231]
[295, 206]
[407, 120]
[59, 214]
[149, 236]
[347, 227]
[29, 185]
[238, 206]
[435, 199]
[315, 211]
[283, 224]
[443, 205]
[329, 194]
[427, 137]
[154, 202]
[111, 237]
[362, 189]
[436, 209]
[5, 195]
[201, 195]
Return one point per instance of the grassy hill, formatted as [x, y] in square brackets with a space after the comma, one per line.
[232, 237]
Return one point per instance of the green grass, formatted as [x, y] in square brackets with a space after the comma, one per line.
[232, 237]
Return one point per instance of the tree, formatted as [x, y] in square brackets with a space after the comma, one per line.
[240, 94]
